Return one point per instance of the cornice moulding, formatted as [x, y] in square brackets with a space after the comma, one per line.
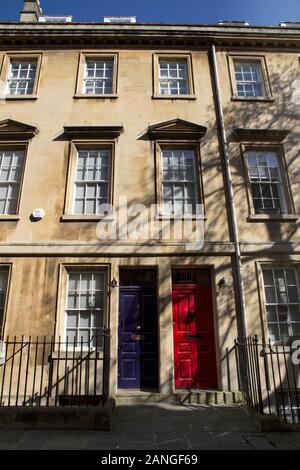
[20, 34]
[93, 132]
[259, 135]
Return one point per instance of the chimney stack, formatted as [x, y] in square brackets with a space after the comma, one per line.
[31, 11]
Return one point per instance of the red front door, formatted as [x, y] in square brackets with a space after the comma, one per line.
[194, 344]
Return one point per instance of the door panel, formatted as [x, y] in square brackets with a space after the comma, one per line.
[137, 357]
[194, 346]
[129, 350]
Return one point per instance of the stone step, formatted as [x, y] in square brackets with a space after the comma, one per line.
[201, 397]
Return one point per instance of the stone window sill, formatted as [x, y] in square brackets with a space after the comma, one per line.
[174, 97]
[173, 219]
[20, 97]
[84, 218]
[9, 218]
[272, 218]
[82, 96]
[267, 99]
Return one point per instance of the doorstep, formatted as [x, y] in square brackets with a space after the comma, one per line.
[200, 397]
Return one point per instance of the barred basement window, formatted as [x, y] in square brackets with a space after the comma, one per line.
[11, 168]
[282, 302]
[92, 181]
[289, 406]
[249, 78]
[266, 182]
[179, 181]
[21, 77]
[85, 308]
[98, 76]
[173, 77]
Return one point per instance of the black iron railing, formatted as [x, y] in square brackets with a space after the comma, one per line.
[269, 375]
[48, 372]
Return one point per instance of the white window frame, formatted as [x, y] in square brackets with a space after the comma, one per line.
[261, 180]
[96, 183]
[9, 183]
[104, 79]
[168, 79]
[252, 82]
[279, 304]
[183, 182]
[157, 58]
[20, 80]
[77, 311]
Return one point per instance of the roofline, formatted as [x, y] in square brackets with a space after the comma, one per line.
[144, 34]
[136, 25]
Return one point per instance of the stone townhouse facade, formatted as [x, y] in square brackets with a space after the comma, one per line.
[159, 114]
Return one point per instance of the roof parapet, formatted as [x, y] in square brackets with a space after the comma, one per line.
[234, 23]
[120, 19]
[290, 24]
[55, 19]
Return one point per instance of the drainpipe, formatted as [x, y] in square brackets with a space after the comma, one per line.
[238, 263]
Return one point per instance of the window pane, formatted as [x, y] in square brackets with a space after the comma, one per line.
[71, 336]
[71, 320]
[270, 295]
[274, 332]
[271, 313]
[73, 300]
[282, 313]
[268, 277]
[296, 329]
[295, 313]
[84, 336]
[97, 319]
[84, 320]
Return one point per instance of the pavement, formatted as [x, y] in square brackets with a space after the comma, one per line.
[160, 427]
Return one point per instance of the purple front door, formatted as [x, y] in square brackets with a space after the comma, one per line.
[137, 355]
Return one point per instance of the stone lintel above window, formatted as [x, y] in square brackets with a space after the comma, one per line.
[259, 135]
[93, 132]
